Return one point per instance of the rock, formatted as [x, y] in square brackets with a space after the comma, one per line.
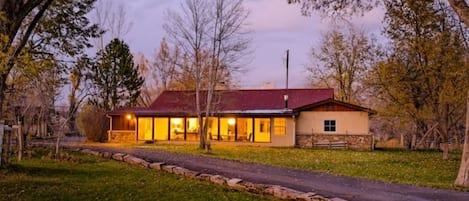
[204, 177]
[309, 196]
[234, 183]
[95, 153]
[136, 161]
[168, 168]
[217, 179]
[252, 187]
[118, 156]
[283, 192]
[337, 199]
[107, 155]
[144, 164]
[156, 165]
[179, 170]
[191, 174]
[86, 151]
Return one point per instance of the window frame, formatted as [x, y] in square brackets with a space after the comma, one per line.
[282, 127]
[330, 125]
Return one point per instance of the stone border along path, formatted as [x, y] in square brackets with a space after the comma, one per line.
[327, 185]
[232, 183]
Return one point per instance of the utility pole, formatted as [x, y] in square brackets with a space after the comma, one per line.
[288, 55]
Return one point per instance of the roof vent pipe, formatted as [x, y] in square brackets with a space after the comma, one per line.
[285, 99]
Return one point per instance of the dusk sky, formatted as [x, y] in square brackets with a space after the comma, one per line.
[275, 25]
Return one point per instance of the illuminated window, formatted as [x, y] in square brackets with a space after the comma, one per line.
[161, 128]
[244, 129]
[145, 128]
[176, 128]
[192, 129]
[329, 125]
[227, 129]
[212, 128]
[280, 126]
[262, 130]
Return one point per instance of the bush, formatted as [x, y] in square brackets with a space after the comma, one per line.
[93, 123]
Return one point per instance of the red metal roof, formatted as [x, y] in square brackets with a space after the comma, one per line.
[239, 100]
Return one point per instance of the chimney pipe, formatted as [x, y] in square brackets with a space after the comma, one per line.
[285, 99]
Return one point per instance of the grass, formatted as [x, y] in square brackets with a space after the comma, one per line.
[93, 178]
[422, 168]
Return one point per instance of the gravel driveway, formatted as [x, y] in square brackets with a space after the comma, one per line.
[328, 185]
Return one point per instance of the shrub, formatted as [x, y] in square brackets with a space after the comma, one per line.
[92, 122]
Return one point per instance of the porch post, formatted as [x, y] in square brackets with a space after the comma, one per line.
[110, 129]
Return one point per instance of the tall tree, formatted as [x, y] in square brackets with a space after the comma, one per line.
[161, 73]
[115, 78]
[460, 7]
[342, 60]
[212, 37]
[41, 27]
[78, 91]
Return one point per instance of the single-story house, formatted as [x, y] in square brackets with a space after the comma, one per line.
[272, 117]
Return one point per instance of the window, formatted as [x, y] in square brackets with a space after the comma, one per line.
[279, 126]
[212, 128]
[176, 128]
[161, 128]
[227, 128]
[329, 125]
[192, 129]
[145, 128]
[244, 129]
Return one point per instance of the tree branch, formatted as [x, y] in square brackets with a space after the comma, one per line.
[462, 9]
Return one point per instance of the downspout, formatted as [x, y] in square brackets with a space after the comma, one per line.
[110, 128]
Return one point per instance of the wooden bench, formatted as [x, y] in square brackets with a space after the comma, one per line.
[332, 145]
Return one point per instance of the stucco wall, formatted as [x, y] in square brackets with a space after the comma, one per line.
[352, 130]
[287, 140]
[346, 122]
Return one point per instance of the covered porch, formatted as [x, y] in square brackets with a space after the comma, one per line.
[230, 128]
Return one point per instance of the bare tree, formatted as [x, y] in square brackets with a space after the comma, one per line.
[160, 74]
[78, 91]
[212, 38]
[147, 91]
[113, 19]
[342, 60]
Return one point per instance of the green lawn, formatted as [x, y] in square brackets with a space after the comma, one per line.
[94, 178]
[424, 168]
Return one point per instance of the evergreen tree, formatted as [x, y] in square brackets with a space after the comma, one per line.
[115, 78]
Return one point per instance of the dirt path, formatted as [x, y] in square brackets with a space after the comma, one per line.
[347, 188]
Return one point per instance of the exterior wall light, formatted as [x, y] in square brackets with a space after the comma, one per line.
[231, 121]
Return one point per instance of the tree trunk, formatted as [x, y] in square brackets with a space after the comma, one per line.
[20, 141]
[2, 130]
[402, 140]
[444, 147]
[463, 174]
[413, 142]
